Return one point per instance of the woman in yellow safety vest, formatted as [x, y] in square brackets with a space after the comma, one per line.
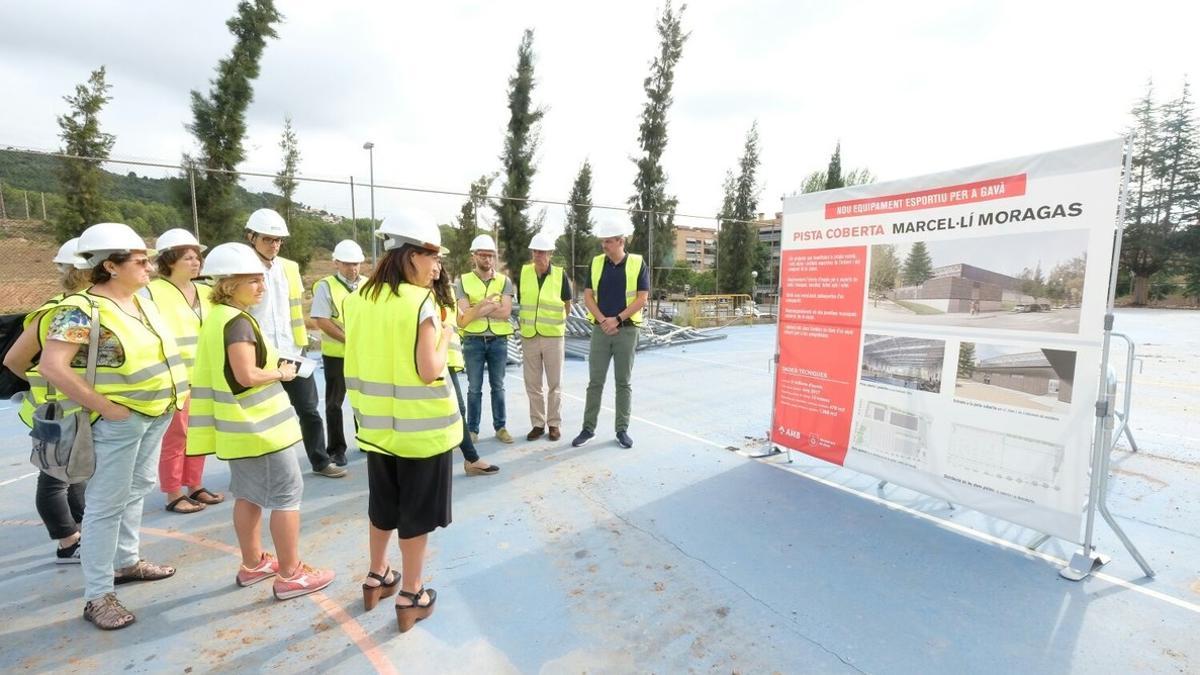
[59, 504]
[241, 413]
[408, 420]
[183, 304]
[448, 306]
[140, 382]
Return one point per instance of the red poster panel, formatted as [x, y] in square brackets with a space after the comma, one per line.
[820, 330]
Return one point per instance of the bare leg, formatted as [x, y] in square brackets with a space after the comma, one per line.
[379, 540]
[247, 523]
[285, 532]
[412, 555]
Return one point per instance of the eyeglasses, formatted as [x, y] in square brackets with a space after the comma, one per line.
[143, 262]
[270, 241]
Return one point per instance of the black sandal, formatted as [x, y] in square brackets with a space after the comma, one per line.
[408, 615]
[173, 506]
[373, 594]
[206, 496]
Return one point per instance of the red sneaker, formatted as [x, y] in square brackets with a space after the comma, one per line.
[267, 567]
[306, 580]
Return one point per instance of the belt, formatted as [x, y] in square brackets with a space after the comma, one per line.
[485, 338]
[628, 322]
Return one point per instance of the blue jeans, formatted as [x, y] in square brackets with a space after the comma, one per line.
[126, 471]
[478, 352]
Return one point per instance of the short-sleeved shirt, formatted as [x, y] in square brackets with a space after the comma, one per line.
[322, 302]
[241, 330]
[73, 325]
[610, 297]
[541, 279]
[460, 293]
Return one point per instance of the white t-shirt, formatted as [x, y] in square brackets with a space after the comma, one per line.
[274, 312]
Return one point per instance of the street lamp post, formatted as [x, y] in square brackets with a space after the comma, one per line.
[370, 148]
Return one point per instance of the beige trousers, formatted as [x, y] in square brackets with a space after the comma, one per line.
[543, 355]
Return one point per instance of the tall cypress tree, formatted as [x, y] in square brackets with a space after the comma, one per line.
[219, 119]
[83, 180]
[833, 175]
[650, 184]
[578, 246]
[737, 242]
[520, 145]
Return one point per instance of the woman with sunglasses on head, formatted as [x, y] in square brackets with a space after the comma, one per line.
[140, 382]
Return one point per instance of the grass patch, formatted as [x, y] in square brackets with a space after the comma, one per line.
[917, 308]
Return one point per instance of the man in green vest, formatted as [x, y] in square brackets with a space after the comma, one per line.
[485, 300]
[328, 295]
[545, 300]
[616, 289]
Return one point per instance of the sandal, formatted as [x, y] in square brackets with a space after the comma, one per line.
[108, 613]
[143, 571]
[173, 505]
[408, 615]
[384, 589]
[206, 496]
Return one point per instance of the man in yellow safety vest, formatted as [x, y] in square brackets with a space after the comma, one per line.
[485, 304]
[544, 294]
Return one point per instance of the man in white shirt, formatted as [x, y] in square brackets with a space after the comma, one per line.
[281, 320]
[328, 295]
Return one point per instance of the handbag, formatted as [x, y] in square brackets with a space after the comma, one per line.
[62, 440]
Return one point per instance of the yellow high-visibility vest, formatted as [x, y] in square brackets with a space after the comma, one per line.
[253, 423]
[152, 379]
[476, 291]
[180, 317]
[37, 384]
[397, 412]
[454, 353]
[543, 311]
[633, 267]
[338, 290]
[291, 270]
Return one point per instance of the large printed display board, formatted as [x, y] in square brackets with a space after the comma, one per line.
[944, 332]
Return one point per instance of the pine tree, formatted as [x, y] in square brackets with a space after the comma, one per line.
[219, 120]
[650, 184]
[457, 237]
[578, 246]
[833, 175]
[1178, 162]
[918, 266]
[966, 360]
[84, 180]
[736, 242]
[520, 146]
[285, 180]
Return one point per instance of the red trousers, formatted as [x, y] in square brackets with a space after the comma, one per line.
[175, 468]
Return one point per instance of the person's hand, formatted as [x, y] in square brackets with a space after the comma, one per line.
[118, 413]
[287, 371]
[487, 306]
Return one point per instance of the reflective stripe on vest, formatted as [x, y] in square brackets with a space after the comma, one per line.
[633, 267]
[152, 378]
[256, 422]
[37, 384]
[337, 296]
[291, 270]
[476, 291]
[542, 311]
[454, 353]
[180, 317]
[397, 413]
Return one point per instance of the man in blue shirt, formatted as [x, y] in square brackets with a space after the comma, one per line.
[615, 290]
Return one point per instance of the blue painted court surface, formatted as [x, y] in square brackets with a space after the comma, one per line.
[681, 554]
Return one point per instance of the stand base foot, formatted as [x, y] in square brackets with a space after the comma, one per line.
[1082, 565]
[769, 453]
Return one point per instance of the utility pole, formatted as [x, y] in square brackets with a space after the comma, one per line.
[353, 216]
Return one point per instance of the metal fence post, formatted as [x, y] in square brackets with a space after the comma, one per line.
[195, 214]
[353, 217]
[25, 193]
[43, 194]
[3, 211]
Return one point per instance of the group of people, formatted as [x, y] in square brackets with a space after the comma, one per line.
[184, 369]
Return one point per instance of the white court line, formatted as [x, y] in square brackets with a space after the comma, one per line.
[961, 529]
[13, 480]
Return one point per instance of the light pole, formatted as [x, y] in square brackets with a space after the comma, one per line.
[370, 148]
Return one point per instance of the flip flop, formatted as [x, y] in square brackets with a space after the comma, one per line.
[173, 506]
[206, 496]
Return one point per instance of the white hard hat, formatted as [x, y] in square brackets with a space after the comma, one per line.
[483, 242]
[176, 237]
[268, 222]
[66, 255]
[613, 227]
[232, 258]
[410, 226]
[102, 240]
[542, 242]
[348, 251]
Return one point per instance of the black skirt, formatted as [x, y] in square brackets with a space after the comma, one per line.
[411, 496]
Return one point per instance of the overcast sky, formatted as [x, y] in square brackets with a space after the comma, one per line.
[908, 87]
